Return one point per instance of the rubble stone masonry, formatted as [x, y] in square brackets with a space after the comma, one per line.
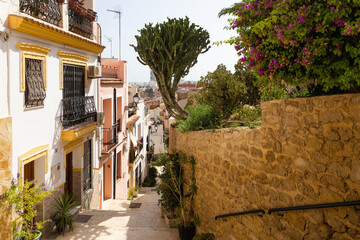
[307, 151]
[5, 174]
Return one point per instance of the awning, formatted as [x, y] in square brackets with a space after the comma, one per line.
[132, 120]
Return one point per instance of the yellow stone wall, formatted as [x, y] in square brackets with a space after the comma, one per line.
[307, 151]
[5, 175]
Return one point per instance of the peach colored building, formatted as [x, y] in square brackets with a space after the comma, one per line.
[113, 99]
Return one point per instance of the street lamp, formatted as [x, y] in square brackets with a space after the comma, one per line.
[118, 12]
[136, 99]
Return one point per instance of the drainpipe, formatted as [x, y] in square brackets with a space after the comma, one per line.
[115, 139]
[8, 74]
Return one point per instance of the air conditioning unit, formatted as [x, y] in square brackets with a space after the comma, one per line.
[100, 118]
[94, 72]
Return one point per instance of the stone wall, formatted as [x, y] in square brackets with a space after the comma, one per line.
[306, 152]
[5, 174]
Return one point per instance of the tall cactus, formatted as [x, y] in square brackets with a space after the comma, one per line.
[170, 49]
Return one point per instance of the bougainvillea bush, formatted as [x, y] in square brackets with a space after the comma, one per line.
[297, 41]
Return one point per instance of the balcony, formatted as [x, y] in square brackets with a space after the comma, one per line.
[108, 71]
[78, 117]
[48, 11]
[79, 24]
[110, 138]
[46, 19]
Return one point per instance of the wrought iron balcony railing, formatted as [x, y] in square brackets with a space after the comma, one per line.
[46, 10]
[79, 24]
[78, 110]
[110, 137]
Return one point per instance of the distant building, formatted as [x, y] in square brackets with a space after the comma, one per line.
[138, 131]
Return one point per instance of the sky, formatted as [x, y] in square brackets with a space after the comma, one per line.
[136, 13]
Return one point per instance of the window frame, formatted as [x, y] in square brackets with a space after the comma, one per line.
[72, 59]
[36, 52]
[43, 70]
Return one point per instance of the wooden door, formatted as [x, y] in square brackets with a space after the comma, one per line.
[69, 175]
[29, 172]
[107, 167]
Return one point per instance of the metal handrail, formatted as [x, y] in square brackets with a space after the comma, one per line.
[314, 206]
[240, 213]
[284, 209]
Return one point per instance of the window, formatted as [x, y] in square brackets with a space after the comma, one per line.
[34, 83]
[74, 81]
[87, 171]
[118, 166]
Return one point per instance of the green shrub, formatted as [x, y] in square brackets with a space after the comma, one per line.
[153, 173]
[247, 114]
[150, 180]
[63, 217]
[176, 189]
[200, 117]
[204, 236]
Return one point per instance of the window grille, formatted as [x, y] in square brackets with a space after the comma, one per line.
[74, 81]
[87, 171]
[34, 88]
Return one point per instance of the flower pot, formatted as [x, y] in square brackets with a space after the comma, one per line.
[187, 232]
[35, 231]
[38, 237]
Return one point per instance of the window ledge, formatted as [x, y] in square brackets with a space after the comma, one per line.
[33, 108]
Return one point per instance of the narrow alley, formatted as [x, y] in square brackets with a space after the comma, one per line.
[124, 223]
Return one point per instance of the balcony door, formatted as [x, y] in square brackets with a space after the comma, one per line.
[74, 81]
[73, 95]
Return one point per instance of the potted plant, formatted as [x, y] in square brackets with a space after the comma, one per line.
[24, 197]
[136, 190]
[177, 191]
[131, 192]
[63, 217]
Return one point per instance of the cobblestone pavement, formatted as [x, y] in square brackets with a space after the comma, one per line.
[119, 222]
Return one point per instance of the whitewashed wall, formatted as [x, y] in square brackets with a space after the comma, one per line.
[32, 128]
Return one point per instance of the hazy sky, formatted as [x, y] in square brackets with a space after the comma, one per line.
[136, 13]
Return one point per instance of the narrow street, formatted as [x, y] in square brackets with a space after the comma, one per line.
[119, 222]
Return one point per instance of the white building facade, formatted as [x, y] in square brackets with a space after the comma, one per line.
[48, 88]
[138, 132]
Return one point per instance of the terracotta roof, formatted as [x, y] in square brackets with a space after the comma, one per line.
[132, 120]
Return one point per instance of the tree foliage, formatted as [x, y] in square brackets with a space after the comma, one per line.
[170, 49]
[224, 91]
[294, 41]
